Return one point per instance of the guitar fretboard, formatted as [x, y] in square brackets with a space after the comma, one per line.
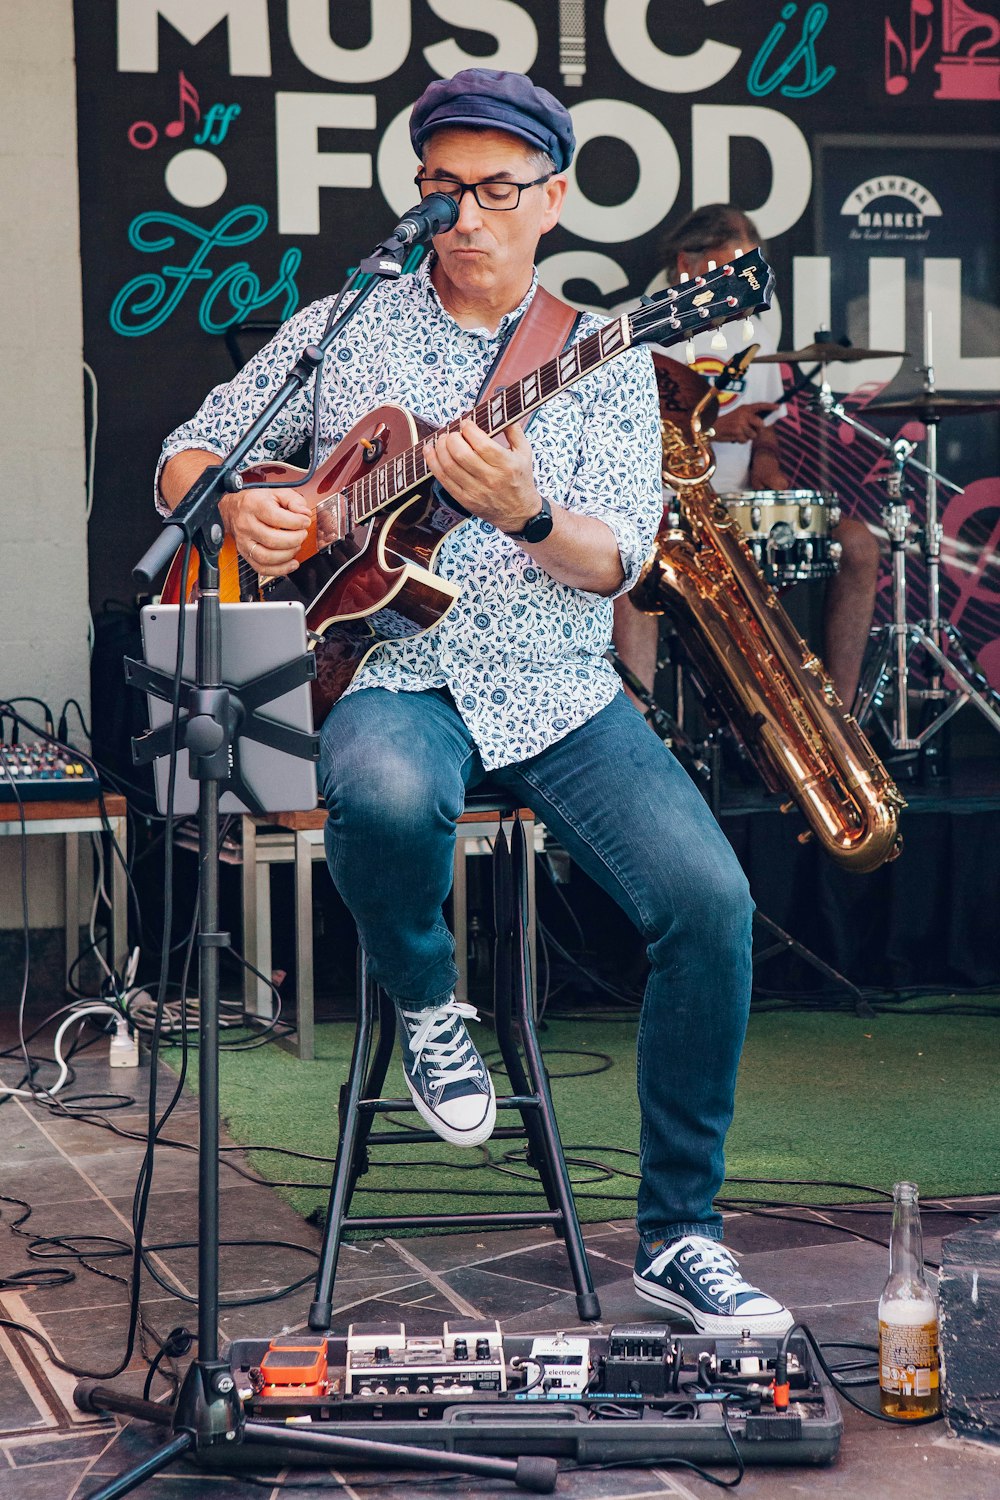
[384, 484]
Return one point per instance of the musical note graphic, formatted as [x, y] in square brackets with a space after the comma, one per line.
[909, 57]
[188, 100]
[895, 83]
[143, 134]
[962, 74]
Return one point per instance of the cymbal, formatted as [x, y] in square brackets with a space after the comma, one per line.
[827, 354]
[680, 387]
[931, 406]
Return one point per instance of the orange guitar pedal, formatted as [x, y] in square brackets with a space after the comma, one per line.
[295, 1363]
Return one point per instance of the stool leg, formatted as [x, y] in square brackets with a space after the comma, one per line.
[353, 1134]
[503, 1013]
[587, 1302]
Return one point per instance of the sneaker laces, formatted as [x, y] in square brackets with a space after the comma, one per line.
[447, 1059]
[700, 1254]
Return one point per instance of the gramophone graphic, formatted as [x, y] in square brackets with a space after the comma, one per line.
[963, 72]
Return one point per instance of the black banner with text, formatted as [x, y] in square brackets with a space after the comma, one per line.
[237, 156]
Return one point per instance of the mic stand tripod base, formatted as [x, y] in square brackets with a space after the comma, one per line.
[208, 1418]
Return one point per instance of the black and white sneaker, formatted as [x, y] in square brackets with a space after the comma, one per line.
[448, 1081]
[698, 1278]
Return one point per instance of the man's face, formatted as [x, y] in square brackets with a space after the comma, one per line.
[488, 253]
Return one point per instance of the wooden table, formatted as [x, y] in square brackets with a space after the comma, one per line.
[71, 819]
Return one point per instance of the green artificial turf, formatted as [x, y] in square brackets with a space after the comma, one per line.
[828, 1097]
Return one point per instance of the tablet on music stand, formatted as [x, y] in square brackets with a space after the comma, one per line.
[256, 639]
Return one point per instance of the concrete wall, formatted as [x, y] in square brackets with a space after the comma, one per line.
[44, 618]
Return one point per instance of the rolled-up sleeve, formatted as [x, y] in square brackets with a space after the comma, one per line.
[229, 409]
[617, 478]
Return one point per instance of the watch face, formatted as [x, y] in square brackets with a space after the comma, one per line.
[538, 528]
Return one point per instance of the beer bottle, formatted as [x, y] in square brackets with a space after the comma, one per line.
[907, 1318]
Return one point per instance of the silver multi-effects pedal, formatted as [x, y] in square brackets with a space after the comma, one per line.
[383, 1361]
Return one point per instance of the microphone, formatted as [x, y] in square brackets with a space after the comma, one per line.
[432, 215]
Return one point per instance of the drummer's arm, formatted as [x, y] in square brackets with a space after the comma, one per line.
[766, 472]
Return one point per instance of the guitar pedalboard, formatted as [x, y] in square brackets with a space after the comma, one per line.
[641, 1392]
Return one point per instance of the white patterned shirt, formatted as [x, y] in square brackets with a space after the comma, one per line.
[521, 654]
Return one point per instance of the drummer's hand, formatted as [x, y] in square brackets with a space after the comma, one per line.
[743, 424]
[268, 527]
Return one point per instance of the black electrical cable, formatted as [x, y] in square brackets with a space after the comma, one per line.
[838, 1386]
[25, 920]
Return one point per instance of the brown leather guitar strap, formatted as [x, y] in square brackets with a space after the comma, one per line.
[543, 331]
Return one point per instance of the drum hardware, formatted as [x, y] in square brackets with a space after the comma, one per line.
[954, 679]
[828, 351]
[788, 531]
[930, 406]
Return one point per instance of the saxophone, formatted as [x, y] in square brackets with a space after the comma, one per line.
[773, 690]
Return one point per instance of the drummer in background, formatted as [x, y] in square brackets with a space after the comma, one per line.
[747, 457]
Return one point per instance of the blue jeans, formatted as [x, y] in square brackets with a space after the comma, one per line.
[394, 770]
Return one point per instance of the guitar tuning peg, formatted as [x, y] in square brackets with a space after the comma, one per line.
[719, 340]
[689, 354]
[747, 329]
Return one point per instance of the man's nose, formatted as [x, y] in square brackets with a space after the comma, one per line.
[470, 215]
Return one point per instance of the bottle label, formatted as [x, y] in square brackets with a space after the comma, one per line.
[908, 1358]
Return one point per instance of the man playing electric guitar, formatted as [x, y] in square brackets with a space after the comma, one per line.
[512, 683]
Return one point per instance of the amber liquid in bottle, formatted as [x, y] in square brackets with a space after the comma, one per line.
[909, 1379]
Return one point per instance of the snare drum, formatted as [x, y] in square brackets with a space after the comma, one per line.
[788, 531]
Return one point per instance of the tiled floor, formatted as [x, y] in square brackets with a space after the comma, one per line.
[79, 1179]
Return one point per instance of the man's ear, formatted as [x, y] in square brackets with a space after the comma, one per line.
[555, 197]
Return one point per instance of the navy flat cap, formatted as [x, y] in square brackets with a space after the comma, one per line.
[484, 99]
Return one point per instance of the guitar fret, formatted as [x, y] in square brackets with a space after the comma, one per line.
[663, 317]
[569, 364]
[612, 337]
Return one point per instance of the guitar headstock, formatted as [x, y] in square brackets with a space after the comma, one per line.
[734, 290]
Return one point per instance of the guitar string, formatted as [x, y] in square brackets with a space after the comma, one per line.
[365, 496]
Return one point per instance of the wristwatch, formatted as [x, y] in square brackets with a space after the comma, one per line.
[537, 528]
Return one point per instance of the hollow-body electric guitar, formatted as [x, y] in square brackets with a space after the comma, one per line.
[365, 571]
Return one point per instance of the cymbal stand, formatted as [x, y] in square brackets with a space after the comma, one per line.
[954, 677]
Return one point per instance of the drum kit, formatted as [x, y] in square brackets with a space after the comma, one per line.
[790, 533]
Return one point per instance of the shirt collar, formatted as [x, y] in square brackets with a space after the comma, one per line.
[422, 278]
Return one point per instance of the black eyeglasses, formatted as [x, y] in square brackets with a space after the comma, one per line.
[496, 194]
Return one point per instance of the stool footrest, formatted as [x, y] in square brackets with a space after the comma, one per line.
[527, 1217]
[431, 1138]
[394, 1106]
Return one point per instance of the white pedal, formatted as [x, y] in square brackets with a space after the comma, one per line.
[566, 1362]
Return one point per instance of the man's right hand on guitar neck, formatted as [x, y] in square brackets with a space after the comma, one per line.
[268, 526]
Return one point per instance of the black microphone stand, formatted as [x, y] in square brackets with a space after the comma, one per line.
[208, 1418]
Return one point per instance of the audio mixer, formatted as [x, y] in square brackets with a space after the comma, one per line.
[44, 772]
